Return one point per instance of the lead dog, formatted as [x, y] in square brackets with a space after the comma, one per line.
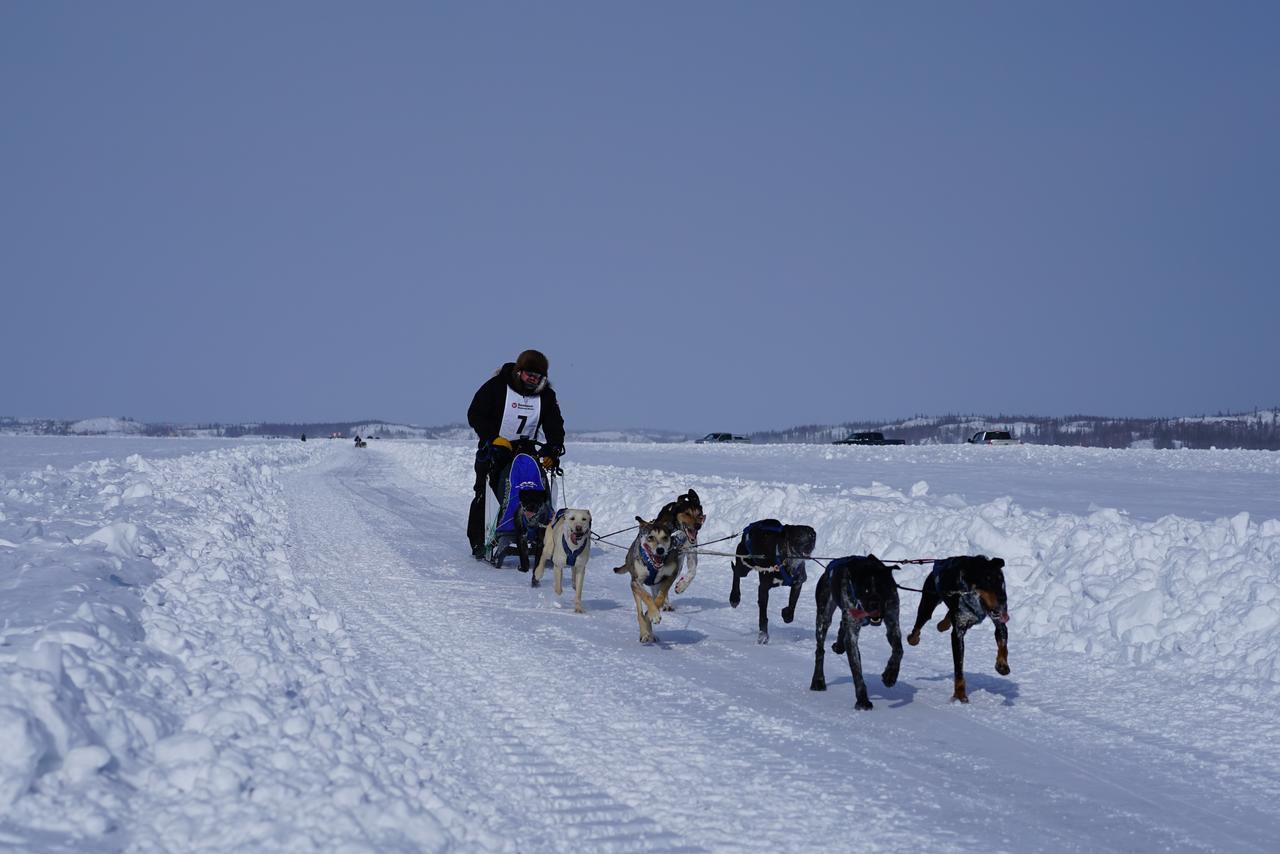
[651, 562]
[778, 553]
[683, 519]
[972, 586]
[866, 594]
[567, 542]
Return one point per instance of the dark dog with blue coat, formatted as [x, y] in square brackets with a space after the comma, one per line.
[866, 594]
[778, 553]
[973, 589]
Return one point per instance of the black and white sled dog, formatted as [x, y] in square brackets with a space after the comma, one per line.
[778, 553]
[651, 561]
[567, 542]
[866, 594]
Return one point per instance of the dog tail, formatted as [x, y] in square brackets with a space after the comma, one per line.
[620, 569]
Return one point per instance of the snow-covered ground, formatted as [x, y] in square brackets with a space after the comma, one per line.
[286, 646]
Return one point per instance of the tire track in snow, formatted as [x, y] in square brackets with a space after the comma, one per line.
[498, 765]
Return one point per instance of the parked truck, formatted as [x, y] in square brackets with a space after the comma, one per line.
[868, 438]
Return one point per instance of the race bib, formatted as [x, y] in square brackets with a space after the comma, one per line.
[521, 416]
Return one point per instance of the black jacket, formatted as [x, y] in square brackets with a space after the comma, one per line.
[486, 410]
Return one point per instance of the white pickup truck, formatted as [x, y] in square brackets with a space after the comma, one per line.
[993, 437]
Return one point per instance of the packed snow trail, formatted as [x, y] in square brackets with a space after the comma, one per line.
[561, 732]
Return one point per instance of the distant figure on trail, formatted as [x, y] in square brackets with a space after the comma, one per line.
[304, 437]
[511, 406]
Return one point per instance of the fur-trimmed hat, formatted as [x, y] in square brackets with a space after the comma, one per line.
[532, 361]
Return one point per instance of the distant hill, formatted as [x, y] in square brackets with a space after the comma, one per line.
[130, 427]
[1258, 430]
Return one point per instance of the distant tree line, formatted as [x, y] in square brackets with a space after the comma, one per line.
[292, 429]
[1259, 430]
[1255, 431]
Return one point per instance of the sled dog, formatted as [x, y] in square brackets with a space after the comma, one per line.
[567, 542]
[866, 594]
[972, 588]
[683, 519]
[777, 552]
[651, 562]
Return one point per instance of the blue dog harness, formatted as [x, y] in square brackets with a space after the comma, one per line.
[652, 564]
[571, 554]
[789, 572]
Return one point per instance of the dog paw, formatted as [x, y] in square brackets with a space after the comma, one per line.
[889, 678]
[818, 684]
[762, 637]
[944, 624]
[914, 638]
[667, 606]
[648, 638]
[863, 705]
[788, 614]
[837, 648]
[681, 584]
[534, 582]
[734, 600]
[959, 698]
[578, 609]
[1002, 667]
[655, 617]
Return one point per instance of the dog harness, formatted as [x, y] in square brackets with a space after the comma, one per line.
[969, 610]
[652, 563]
[790, 572]
[571, 554]
[858, 612]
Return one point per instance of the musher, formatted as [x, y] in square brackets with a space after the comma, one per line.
[509, 407]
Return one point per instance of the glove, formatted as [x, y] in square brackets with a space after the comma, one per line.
[551, 464]
[498, 452]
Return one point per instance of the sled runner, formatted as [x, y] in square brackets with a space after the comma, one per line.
[523, 515]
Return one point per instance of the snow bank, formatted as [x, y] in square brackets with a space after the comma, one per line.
[165, 683]
[1191, 596]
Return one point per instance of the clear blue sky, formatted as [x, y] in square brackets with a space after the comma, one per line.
[709, 215]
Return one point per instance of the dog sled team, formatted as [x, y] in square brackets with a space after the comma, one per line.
[517, 402]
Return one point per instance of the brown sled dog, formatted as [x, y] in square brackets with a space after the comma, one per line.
[651, 561]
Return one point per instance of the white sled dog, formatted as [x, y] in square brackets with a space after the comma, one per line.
[567, 542]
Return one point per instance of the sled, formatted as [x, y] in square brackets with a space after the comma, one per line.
[523, 515]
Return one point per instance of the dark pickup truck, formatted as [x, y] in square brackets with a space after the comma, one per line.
[868, 439]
